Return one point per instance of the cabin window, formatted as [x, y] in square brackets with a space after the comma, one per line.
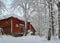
[17, 25]
[22, 27]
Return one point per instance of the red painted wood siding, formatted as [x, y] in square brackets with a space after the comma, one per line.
[15, 22]
[5, 22]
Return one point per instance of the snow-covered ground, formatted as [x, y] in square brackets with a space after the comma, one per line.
[26, 39]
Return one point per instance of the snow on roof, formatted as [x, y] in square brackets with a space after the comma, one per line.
[9, 15]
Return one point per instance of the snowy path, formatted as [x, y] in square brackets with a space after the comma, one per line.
[26, 39]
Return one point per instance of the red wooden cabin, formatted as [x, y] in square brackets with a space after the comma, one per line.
[13, 25]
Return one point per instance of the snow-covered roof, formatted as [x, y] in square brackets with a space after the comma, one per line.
[9, 15]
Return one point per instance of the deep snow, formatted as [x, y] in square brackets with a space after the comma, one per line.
[26, 39]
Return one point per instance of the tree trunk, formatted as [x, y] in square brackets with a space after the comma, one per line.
[25, 12]
[25, 28]
[59, 34]
[49, 34]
